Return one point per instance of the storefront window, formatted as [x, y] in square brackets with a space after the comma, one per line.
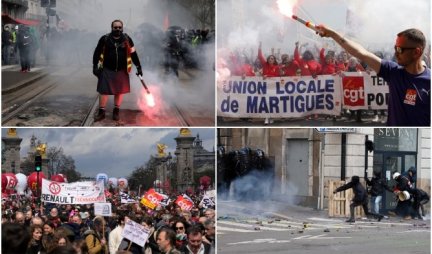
[395, 139]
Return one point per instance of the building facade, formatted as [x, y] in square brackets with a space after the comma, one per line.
[307, 159]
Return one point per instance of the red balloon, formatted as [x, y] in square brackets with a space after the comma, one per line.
[58, 178]
[205, 181]
[189, 190]
[11, 181]
[3, 183]
[32, 179]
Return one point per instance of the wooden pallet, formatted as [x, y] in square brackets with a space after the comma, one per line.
[339, 203]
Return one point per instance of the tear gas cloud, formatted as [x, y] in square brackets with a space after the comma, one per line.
[257, 188]
[373, 23]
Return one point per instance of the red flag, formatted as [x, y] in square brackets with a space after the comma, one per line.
[166, 22]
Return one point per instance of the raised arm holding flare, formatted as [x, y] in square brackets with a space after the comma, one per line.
[408, 79]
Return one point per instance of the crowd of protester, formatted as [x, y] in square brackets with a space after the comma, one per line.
[53, 228]
[305, 61]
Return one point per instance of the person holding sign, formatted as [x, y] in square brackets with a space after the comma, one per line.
[115, 236]
[95, 238]
[408, 79]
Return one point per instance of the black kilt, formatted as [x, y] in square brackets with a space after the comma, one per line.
[112, 83]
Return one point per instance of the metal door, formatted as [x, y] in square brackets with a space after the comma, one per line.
[297, 154]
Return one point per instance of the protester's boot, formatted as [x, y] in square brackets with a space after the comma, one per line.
[100, 116]
[380, 217]
[116, 114]
[351, 219]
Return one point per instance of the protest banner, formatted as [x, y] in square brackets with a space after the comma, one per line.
[151, 199]
[135, 233]
[103, 209]
[72, 193]
[207, 202]
[126, 198]
[296, 97]
[279, 97]
[184, 202]
[364, 91]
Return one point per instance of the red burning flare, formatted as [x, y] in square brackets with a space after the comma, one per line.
[152, 104]
[149, 99]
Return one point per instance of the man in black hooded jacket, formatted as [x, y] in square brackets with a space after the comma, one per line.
[360, 198]
[377, 186]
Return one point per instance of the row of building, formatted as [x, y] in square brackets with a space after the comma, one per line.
[306, 161]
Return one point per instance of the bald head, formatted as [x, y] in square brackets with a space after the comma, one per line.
[37, 221]
[19, 217]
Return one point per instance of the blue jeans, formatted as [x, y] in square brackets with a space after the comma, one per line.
[376, 200]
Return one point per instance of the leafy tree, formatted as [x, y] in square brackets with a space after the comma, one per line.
[58, 163]
[144, 175]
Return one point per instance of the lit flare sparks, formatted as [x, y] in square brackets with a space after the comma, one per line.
[286, 7]
[149, 99]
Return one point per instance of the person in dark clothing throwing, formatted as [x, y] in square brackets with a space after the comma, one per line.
[377, 184]
[112, 62]
[360, 198]
[404, 206]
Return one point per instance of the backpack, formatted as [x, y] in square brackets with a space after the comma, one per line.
[90, 232]
[26, 39]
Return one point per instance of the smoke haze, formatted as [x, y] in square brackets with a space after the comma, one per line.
[243, 24]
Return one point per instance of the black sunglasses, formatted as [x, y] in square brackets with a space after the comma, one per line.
[179, 228]
[118, 27]
[400, 50]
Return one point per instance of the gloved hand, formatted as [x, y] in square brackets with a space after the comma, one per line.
[96, 71]
[139, 71]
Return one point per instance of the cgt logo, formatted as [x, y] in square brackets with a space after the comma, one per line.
[353, 91]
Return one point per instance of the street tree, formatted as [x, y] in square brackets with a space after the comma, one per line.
[144, 175]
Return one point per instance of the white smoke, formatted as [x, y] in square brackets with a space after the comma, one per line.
[381, 21]
[243, 24]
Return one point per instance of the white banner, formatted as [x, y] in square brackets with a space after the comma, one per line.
[136, 233]
[364, 91]
[210, 193]
[72, 193]
[103, 209]
[378, 92]
[207, 202]
[283, 97]
[295, 97]
[126, 198]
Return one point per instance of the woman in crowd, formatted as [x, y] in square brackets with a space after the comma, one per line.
[35, 245]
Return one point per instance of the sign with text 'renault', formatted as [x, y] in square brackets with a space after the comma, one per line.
[72, 193]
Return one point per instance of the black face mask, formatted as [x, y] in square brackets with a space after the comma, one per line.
[116, 32]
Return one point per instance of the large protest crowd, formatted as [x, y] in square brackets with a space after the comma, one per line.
[306, 60]
[30, 227]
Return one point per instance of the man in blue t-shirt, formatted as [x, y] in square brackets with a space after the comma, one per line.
[408, 79]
